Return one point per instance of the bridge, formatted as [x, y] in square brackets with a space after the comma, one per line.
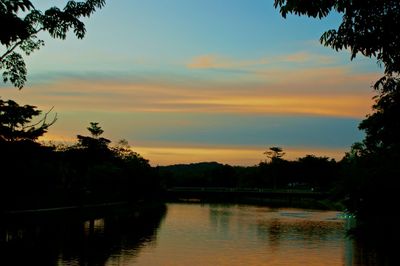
[204, 192]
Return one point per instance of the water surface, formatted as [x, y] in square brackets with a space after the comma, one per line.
[187, 234]
[194, 234]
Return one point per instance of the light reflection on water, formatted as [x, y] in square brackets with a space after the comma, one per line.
[188, 234]
[247, 235]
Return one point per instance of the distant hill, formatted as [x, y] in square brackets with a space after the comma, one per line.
[181, 168]
[198, 174]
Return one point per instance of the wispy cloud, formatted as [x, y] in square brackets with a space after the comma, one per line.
[215, 61]
[212, 61]
[331, 91]
[302, 57]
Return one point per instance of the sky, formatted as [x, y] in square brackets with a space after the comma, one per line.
[202, 80]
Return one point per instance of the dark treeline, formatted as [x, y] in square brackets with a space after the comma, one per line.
[91, 171]
[37, 176]
[308, 173]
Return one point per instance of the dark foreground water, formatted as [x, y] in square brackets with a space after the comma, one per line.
[187, 234]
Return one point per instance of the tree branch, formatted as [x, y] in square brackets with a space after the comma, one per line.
[10, 50]
[43, 121]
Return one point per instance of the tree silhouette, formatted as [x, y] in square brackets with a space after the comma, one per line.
[95, 130]
[382, 128]
[372, 28]
[16, 122]
[95, 142]
[21, 32]
[274, 153]
[369, 27]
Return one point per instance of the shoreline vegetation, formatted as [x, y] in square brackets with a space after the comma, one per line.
[304, 199]
[303, 202]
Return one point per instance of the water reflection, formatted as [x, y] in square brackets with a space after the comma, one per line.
[220, 216]
[276, 236]
[256, 235]
[190, 234]
[76, 240]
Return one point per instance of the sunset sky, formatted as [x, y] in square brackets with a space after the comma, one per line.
[202, 80]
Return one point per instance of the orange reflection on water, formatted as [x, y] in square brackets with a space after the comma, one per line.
[195, 234]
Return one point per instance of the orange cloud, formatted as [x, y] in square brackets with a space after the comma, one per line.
[297, 57]
[342, 106]
[204, 61]
[210, 61]
[213, 61]
[319, 81]
[302, 57]
[331, 91]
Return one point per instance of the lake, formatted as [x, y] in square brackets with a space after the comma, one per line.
[188, 234]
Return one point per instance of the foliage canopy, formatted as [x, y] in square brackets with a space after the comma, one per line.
[16, 122]
[369, 27]
[23, 24]
[372, 28]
